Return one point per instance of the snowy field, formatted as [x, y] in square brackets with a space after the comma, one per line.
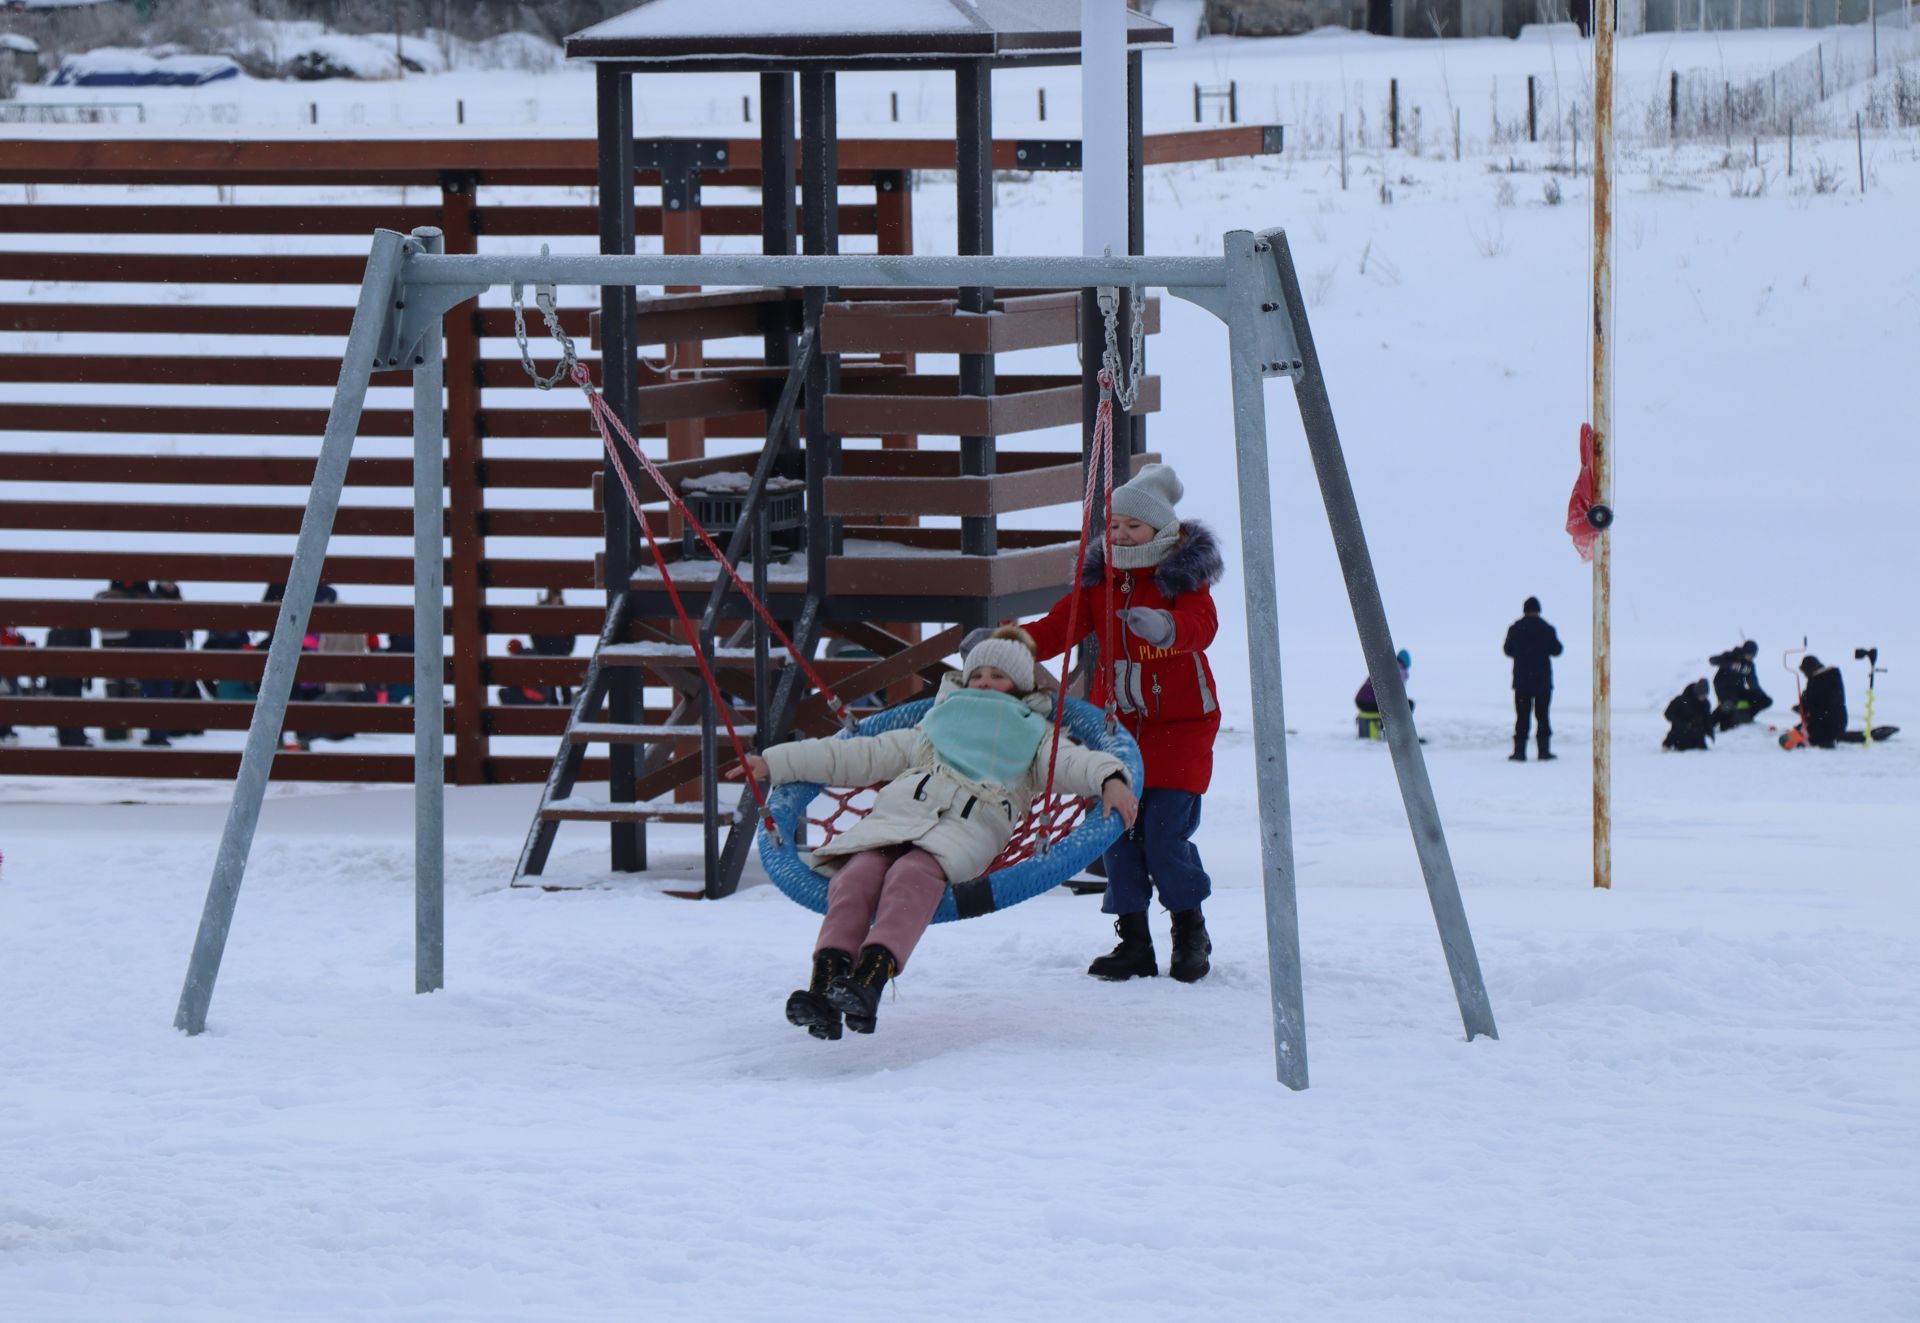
[1700, 1106]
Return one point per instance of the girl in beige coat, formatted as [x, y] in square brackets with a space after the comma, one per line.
[956, 786]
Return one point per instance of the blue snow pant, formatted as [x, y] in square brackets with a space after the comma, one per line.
[1158, 851]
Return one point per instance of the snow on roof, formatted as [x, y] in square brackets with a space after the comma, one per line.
[692, 30]
[13, 41]
[114, 66]
[702, 18]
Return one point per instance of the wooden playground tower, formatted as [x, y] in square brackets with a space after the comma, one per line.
[844, 363]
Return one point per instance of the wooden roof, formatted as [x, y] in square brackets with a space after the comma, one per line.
[697, 34]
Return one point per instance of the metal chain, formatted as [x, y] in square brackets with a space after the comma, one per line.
[543, 298]
[1126, 386]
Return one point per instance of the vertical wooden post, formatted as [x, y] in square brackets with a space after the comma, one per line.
[893, 234]
[1602, 322]
[618, 365]
[1533, 123]
[1393, 113]
[973, 110]
[680, 233]
[466, 501]
[820, 221]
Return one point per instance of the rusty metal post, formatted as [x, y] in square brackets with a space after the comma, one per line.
[1603, 162]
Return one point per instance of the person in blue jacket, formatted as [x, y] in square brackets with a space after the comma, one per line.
[1533, 645]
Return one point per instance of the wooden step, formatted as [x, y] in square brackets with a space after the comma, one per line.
[601, 732]
[576, 809]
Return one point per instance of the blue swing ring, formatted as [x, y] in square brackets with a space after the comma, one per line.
[1089, 839]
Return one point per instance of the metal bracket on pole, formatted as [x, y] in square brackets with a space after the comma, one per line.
[680, 162]
[1277, 350]
[414, 313]
[1047, 153]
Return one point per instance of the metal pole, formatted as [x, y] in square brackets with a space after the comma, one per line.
[429, 669]
[270, 708]
[1103, 131]
[1263, 655]
[1602, 323]
[1376, 643]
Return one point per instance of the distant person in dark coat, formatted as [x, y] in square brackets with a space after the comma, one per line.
[1736, 687]
[1689, 719]
[121, 636]
[70, 686]
[1823, 703]
[543, 645]
[1533, 645]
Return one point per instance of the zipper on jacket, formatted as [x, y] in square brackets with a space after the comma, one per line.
[1156, 694]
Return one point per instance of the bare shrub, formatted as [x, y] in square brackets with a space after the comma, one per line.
[1550, 191]
[1750, 182]
[1824, 178]
[1503, 194]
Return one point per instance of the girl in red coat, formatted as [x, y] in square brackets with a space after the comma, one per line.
[1164, 692]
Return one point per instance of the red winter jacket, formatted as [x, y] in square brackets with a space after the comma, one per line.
[1166, 696]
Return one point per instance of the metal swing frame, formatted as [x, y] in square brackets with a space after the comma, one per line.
[411, 285]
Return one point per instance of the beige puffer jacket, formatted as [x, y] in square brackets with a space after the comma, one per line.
[961, 823]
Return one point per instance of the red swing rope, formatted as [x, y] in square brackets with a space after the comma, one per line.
[608, 423]
[1099, 465]
[604, 418]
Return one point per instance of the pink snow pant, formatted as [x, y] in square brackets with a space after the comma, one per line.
[884, 898]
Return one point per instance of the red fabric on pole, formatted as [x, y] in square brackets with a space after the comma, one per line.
[1582, 532]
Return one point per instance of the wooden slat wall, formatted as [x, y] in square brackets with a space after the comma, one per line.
[93, 270]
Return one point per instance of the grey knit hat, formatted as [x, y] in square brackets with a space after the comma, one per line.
[1150, 497]
[1009, 650]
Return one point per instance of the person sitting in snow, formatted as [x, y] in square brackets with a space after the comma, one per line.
[957, 785]
[1369, 705]
[1823, 703]
[1689, 719]
[1160, 683]
[1738, 697]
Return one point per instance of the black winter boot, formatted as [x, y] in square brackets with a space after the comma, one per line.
[857, 995]
[810, 1008]
[1133, 958]
[1519, 754]
[1191, 946]
[1547, 754]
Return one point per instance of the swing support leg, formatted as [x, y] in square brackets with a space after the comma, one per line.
[1376, 643]
[429, 670]
[270, 708]
[1244, 349]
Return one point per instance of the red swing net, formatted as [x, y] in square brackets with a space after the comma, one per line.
[1052, 817]
[1048, 822]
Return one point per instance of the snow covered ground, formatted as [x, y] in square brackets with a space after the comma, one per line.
[1700, 1105]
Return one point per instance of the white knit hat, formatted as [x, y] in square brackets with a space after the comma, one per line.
[1150, 497]
[1008, 650]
